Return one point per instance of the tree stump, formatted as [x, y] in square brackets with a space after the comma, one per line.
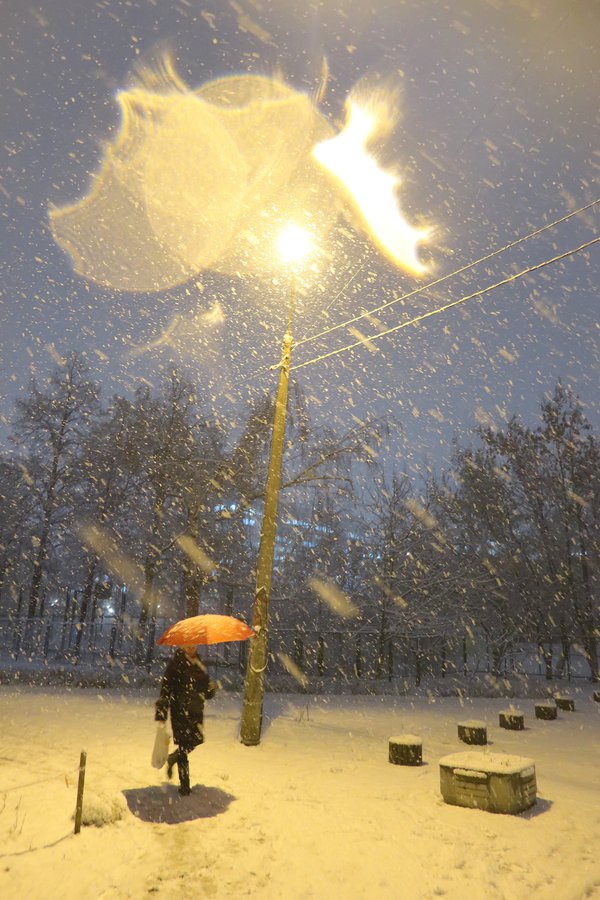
[406, 750]
[512, 719]
[545, 711]
[597, 696]
[472, 732]
[565, 703]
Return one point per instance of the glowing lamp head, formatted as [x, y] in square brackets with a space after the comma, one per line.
[294, 243]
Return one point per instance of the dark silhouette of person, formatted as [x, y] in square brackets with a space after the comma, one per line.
[184, 688]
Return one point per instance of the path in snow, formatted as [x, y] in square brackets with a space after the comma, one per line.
[315, 811]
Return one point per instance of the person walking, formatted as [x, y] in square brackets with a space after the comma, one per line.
[184, 688]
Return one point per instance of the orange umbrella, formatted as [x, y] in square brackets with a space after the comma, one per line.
[207, 629]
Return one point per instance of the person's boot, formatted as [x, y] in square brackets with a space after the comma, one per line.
[171, 760]
[183, 767]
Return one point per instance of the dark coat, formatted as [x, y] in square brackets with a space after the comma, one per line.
[184, 687]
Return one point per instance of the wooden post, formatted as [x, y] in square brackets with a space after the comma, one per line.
[405, 750]
[473, 732]
[254, 685]
[513, 719]
[565, 703]
[80, 783]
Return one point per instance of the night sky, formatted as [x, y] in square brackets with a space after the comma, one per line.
[497, 136]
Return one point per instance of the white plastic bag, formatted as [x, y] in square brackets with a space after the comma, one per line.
[160, 751]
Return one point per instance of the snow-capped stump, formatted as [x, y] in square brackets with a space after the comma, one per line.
[513, 719]
[406, 750]
[545, 711]
[566, 703]
[472, 732]
[494, 782]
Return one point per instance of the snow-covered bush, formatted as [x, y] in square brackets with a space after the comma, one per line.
[100, 809]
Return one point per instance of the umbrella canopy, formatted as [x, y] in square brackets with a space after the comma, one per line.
[207, 629]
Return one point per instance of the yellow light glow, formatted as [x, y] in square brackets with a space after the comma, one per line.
[371, 189]
[294, 243]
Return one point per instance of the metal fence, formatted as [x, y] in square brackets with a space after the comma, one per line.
[333, 655]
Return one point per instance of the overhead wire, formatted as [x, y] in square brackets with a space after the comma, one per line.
[348, 283]
[535, 233]
[256, 372]
[437, 281]
[416, 319]
[417, 291]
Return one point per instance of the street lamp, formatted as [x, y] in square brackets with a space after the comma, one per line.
[293, 244]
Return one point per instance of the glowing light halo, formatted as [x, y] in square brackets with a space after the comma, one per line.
[199, 179]
[371, 189]
[294, 243]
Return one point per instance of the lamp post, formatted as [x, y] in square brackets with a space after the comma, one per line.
[294, 243]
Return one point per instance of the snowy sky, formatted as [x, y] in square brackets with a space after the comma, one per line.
[498, 135]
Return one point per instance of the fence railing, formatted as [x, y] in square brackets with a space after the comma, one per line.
[327, 654]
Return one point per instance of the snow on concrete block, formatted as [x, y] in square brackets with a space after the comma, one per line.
[472, 732]
[566, 703]
[545, 711]
[512, 719]
[597, 696]
[494, 782]
[406, 750]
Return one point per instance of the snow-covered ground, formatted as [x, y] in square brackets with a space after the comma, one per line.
[315, 811]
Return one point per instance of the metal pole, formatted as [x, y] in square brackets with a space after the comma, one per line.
[258, 657]
[65, 618]
[122, 616]
[18, 632]
[117, 621]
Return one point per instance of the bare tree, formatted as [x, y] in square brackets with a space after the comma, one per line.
[49, 427]
[104, 491]
[15, 513]
[523, 506]
[162, 448]
[571, 460]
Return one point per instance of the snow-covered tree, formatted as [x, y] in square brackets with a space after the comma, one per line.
[49, 427]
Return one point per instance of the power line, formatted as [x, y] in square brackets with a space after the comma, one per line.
[432, 284]
[342, 289]
[446, 306]
[255, 373]
[268, 368]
